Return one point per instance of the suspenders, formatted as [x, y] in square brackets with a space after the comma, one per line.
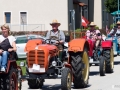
[58, 33]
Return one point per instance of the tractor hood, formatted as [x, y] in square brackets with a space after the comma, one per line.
[42, 47]
[38, 45]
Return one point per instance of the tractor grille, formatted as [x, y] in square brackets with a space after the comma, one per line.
[31, 58]
[36, 57]
[41, 58]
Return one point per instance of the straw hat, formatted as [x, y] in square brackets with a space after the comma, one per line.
[118, 22]
[55, 22]
[92, 24]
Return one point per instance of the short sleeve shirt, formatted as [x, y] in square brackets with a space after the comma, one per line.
[94, 34]
[59, 34]
[10, 38]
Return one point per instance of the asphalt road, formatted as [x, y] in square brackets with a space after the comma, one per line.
[96, 82]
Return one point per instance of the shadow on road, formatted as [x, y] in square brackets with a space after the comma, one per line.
[58, 87]
[81, 88]
[49, 87]
[116, 62]
[92, 73]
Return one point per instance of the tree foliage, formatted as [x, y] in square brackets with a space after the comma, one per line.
[111, 5]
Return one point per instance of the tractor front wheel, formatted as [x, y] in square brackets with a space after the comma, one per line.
[102, 66]
[66, 79]
[109, 57]
[9, 81]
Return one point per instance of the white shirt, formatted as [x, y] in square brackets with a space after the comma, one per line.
[117, 32]
[10, 38]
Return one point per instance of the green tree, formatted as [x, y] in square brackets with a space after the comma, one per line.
[111, 5]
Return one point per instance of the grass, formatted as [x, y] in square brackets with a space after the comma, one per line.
[23, 68]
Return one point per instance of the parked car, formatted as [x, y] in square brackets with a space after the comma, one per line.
[21, 41]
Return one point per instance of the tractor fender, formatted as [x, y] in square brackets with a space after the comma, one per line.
[106, 44]
[68, 66]
[77, 45]
[11, 63]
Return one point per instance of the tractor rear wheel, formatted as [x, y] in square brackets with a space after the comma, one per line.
[35, 84]
[9, 81]
[80, 69]
[66, 79]
[109, 57]
[102, 66]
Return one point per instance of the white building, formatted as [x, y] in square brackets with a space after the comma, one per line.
[37, 14]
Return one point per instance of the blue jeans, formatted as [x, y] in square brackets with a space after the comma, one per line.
[3, 59]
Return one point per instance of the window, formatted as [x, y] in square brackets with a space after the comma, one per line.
[107, 16]
[23, 17]
[70, 18]
[86, 14]
[7, 17]
[21, 40]
[103, 15]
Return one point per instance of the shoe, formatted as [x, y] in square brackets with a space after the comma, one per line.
[3, 69]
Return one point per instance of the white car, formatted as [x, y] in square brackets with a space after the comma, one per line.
[21, 41]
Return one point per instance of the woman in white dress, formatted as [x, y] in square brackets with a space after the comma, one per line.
[7, 45]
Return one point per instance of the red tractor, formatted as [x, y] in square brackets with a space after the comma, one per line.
[10, 80]
[102, 56]
[43, 63]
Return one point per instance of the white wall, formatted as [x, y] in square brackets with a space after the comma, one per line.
[38, 12]
[98, 13]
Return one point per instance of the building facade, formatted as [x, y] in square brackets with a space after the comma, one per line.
[30, 15]
[36, 15]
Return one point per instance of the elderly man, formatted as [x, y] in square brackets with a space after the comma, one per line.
[56, 35]
[94, 34]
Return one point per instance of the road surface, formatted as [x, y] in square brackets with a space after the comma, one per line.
[108, 82]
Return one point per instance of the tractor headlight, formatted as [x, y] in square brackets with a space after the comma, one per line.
[54, 63]
[22, 64]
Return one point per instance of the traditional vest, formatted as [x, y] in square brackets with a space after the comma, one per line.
[54, 37]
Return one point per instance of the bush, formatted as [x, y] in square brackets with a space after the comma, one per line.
[96, 27]
[111, 26]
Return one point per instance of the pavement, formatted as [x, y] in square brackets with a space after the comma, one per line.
[96, 82]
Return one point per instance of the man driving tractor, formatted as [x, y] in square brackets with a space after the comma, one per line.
[116, 32]
[57, 36]
[94, 34]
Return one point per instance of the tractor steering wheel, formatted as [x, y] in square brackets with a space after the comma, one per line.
[49, 41]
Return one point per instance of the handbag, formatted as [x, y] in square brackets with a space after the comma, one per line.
[5, 45]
